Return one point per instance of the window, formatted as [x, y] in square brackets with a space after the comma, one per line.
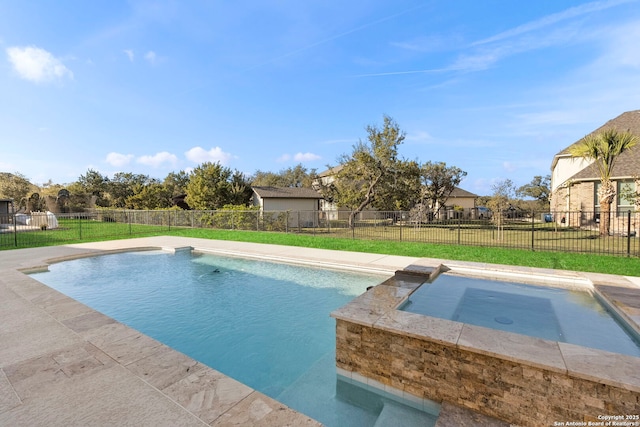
[626, 195]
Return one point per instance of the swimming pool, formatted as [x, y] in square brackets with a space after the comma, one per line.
[551, 313]
[264, 324]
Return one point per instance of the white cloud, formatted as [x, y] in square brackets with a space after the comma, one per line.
[200, 155]
[298, 157]
[548, 20]
[129, 54]
[306, 157]
[426, 44]
[509, 167]
[622, 48]
[559, 29]
[420, 136]
[541, 119]
[151, 57]
[37, 65]
[158, 159]
[118, 160]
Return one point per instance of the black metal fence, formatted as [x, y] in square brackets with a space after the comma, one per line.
[538, 231]
[45, 229]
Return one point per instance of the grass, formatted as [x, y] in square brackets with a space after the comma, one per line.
[556, 260]
[88, 231]
[542, 237]
[74, 231]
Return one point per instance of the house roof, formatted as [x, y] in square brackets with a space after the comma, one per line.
[334, 170]
[460, 193]
[286, 193]
[625, 122]
[628, 164]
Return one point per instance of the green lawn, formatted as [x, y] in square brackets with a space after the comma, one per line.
[75, 230]
[539, 237]
[71, 231]
[559, 260]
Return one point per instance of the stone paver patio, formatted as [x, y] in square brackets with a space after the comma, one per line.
[64, 364]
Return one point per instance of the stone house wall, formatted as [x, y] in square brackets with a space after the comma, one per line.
[581, 197]
[580, 211]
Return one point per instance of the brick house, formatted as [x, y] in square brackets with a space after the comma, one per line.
[575, 181]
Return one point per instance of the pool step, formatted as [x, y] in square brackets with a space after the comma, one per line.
[395, 414]
[326, 407]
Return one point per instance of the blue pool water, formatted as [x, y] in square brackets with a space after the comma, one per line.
[264, 324]
[551, 313]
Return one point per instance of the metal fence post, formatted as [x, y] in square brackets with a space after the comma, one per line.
[629, 233]
[15, 230]
[533, 229]
[353, 228]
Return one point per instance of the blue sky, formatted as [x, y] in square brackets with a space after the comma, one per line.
[493, 87]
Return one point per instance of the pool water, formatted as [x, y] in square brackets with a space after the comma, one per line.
[555, 314]
[264, 324]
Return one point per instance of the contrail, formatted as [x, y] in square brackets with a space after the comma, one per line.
[398, 73]
[554, 18]
[337, 36]
[522, 29]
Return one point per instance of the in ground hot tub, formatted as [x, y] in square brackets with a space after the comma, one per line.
[572, 314]
[464, 349]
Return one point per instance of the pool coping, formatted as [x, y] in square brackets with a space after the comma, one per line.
[62, 363]
[379, 308]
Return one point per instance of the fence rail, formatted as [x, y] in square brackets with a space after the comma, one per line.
[538, 231]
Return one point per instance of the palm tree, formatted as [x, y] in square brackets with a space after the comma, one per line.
[604, 148]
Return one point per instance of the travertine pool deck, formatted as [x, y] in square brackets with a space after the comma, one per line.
[64, 364]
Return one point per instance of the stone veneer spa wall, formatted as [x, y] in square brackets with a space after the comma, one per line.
[520, 379]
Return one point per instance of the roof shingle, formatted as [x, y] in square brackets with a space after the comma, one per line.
[628, 164]
[286, 193]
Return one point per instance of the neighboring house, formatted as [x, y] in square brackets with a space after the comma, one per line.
[331, 210]
[575, 181]
[326, 178]
[461, 202]
[305, 202]
[458, 198]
